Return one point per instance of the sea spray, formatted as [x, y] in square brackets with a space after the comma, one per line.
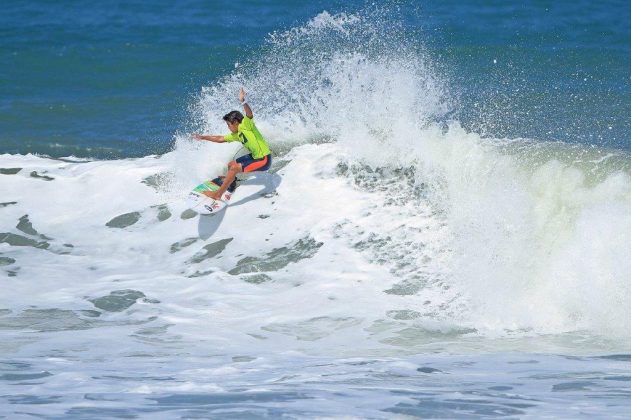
[517, 211]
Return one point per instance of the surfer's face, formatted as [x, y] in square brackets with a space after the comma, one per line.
[233, 126]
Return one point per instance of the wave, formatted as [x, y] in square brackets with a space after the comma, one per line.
[390, 218]
[538, 224]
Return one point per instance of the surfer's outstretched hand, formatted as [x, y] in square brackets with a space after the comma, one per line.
[242, 95]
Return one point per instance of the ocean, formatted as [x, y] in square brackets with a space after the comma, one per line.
[445, 230]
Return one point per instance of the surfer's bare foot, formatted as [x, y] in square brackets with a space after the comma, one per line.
[212, 194]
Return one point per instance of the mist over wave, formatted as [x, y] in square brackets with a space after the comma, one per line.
[537, 232]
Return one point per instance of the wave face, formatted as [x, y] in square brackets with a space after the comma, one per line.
[386, 228]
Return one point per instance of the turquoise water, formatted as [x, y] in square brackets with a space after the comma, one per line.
[116, 79]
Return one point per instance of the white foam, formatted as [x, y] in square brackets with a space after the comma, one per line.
[479, 237]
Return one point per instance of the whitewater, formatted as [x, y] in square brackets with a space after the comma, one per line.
[391, 263]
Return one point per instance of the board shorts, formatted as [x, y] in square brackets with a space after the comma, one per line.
[249, 164]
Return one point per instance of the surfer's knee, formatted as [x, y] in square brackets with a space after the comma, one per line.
[234, 166]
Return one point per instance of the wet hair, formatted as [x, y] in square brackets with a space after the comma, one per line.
[233, 117]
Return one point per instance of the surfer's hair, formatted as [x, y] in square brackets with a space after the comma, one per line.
[233, 117]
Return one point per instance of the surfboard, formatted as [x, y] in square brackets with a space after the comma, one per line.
[203, 204]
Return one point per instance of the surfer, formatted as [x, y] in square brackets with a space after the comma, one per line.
[243, 130]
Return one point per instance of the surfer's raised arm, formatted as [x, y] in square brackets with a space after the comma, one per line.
[246, 107]
[233, 127]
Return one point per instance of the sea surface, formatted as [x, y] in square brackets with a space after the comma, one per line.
[445, 231]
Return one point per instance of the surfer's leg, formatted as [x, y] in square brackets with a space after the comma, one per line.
[233, 169]
[233, 186]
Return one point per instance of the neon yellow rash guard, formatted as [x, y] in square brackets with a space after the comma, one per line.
[251, 138]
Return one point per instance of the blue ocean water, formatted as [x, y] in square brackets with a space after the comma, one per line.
[116, 79]
[444, 232]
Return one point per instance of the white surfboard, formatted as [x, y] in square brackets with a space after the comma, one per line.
[203, 204]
